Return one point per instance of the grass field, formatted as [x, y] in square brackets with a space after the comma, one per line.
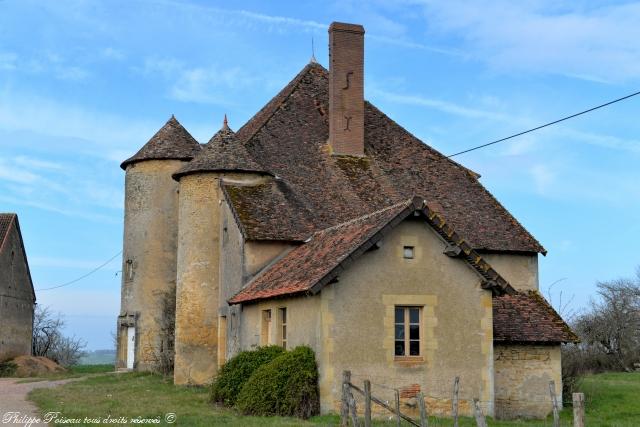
[72, 372]
[613, 400]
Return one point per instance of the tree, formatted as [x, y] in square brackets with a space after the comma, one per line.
[48, 340]
[612, 324]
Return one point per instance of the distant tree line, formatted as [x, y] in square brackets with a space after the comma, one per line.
[49, 341]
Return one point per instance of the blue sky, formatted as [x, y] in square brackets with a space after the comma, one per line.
[84, 84]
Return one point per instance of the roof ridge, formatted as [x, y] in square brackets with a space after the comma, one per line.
[285, 93]
[359, 218]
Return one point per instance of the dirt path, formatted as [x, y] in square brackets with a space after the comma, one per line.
[15, 409]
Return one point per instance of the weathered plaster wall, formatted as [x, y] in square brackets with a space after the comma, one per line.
[258, 254]
[303, 323]
[198, 274]
[357, 316]
[149, 257]
[16, 299]
[522, 375]
[521, 270]
[350, 324]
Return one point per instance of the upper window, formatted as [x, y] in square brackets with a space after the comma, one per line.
[407, 331]
[408, 252]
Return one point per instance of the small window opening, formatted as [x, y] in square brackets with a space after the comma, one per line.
[408, 252]
[265, 335]
[407, 331]
[283, 327]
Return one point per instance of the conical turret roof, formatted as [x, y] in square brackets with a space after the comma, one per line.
[223, 153]
[171, 142]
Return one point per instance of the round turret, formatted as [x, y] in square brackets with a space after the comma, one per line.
[223, 158]
[150, 246]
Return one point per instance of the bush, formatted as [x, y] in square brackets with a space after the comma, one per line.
[286, 386]
[8, 369]
[237, 370]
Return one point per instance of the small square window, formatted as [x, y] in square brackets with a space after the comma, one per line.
[408, 252]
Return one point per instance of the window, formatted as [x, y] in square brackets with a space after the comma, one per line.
[283, 326]
[407, 331]
[265, 336]
[128, 272]
[408, 252]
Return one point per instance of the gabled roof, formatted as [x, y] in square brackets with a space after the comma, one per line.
[9, 221]
[289, 136]
[525, 317]
[171, 142]
[223, 153]
[310, 266]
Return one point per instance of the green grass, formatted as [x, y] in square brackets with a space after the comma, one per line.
[72, 372]
[612, 400]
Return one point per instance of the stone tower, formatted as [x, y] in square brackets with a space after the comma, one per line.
[198, 300]
[144, 335]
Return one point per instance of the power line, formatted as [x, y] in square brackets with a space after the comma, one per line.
[83, 276]
[545, 125]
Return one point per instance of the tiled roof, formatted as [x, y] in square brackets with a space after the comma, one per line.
[6, 219]
[310, 266]
[172, 141]
[223, 152]
[289, 137]
[528, 317]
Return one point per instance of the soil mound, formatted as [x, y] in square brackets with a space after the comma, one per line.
[33, 366]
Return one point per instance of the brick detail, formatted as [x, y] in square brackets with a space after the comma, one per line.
[346, 89]
[410, 391]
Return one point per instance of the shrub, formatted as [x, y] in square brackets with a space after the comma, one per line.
[8, 369]
[286, 386]
[237, 370]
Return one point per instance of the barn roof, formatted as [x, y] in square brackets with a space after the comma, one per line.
[317, 190]
[171, 142]
[6, 219]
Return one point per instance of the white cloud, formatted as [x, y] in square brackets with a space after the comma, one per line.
[543, 177]
[574, 39]
[436, 104]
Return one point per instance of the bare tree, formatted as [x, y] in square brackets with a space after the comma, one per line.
[612, 324]
[48, 340]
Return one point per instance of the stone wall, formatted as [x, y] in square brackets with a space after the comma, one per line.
[520, 270]
[148, 259]
[16, 298]
[522, 375]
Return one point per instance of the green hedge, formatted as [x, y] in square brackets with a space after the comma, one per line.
[8, 369]
[286, 386]
[237, 370]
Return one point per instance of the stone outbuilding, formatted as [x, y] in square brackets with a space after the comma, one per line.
[17, 296]
[323, 222]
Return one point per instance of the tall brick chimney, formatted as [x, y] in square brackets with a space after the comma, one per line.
[346, 89]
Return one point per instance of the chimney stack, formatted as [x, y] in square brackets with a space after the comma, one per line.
[346, 89]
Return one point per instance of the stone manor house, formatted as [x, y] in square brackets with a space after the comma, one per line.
[323, 222]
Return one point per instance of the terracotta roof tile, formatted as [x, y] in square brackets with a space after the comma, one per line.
[527, 317]
[172, 141]
[289, 137]
[310, 266]
[223, 152]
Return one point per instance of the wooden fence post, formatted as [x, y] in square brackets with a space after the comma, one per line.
[398, 408]
[454, 402]
[367, 403]
[344, 408]
[480, 421]
[578, 409]
[353, 409]
[424, 421]
[554, 401]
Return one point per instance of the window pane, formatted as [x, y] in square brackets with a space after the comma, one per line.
[284, 332]
[283, 313]
[399, 348]
[414, 332]
[414, 315]
[399, 332]
[414, 348]
[399, 315]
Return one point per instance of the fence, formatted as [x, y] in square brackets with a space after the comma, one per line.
[349, 411]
